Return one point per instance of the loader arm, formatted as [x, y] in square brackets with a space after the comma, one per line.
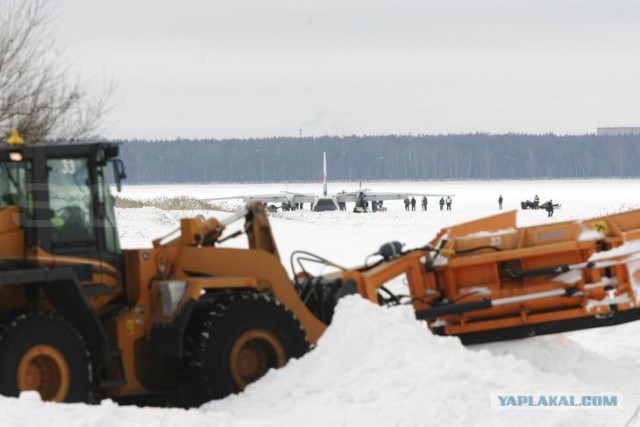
[422, 286]
[197, 253]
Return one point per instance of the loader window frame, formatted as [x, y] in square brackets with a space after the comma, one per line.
[107, 210]
[14, 182]
[71, 204]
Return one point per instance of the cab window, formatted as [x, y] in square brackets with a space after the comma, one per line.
[70, 202]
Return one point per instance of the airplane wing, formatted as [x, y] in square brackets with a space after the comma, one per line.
[267, 198]
[300, 197]
[369, 195]
[283, 196]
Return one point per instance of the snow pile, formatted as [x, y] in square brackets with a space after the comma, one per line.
[566, 354]
[30, 411]
[378, 367]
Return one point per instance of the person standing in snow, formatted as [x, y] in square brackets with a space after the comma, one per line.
[424, 203]
[413, 203]
[549, 208]
[500, 202]
[406, 203]
[536, 201]
[441, 202]
[449, 201]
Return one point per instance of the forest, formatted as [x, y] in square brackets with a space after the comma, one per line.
[377, 158]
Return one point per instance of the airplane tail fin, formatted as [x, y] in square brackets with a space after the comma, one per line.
[324, 173]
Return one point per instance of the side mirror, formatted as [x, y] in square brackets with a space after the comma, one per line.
[118, 173]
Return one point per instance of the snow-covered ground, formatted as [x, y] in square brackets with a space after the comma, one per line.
[377, 366]
[347, 238]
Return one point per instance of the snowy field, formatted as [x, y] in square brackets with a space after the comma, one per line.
[381, 367]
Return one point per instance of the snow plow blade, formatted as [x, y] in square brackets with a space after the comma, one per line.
[488, 280]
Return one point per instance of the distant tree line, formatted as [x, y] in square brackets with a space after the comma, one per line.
[390, 157]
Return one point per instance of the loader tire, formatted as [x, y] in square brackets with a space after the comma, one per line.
[41, 351]
[235, 340]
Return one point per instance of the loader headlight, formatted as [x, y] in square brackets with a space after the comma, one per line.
[171, 293]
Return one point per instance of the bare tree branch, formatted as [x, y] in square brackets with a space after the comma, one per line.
[36, 94]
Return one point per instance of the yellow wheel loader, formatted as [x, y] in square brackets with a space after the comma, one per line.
[80, 319]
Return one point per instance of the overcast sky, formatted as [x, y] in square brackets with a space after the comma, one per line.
[210, 68]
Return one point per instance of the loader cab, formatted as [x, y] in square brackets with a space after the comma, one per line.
[63, 196]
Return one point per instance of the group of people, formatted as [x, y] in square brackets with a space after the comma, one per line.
[410, 204]
[549, 206]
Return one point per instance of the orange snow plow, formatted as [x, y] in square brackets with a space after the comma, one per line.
[487, 280]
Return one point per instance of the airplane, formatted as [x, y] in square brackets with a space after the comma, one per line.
[329, 202]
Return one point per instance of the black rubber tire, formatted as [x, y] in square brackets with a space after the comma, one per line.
[218, 325]
[26, 330]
